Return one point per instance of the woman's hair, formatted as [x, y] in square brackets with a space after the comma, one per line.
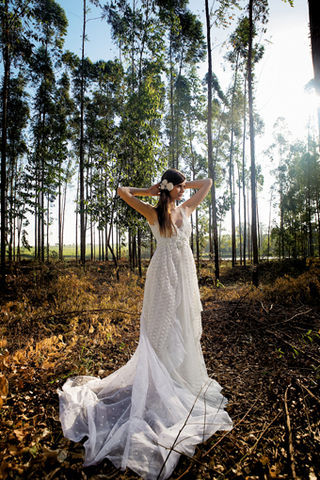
[165, 225]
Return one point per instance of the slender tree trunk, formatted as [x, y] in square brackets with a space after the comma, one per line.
[244, 174]
[211, 164]
[171, 137]
[63, 212]
[197, 241]
[19, 226]
[119, 243]
[42, 182]
[99, 238]
[77, 219]
[11, 209]
[318, 218]
[210, 233]
[5, 92]
[151, 245]
[231, 171]
[36, 224]
[254, 239]
[239, 214]
[269, 226]
[48, 226]
[139, 253]
[81, 152]
[60, 216]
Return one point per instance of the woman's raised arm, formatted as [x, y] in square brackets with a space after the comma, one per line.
[129, 194]
[204, 186]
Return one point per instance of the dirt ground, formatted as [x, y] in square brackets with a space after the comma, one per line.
[262, 345]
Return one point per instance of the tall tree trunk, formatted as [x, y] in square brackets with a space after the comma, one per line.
[77, 219]
[254, 239]
[171, 137]
[231, 171]
[99, 237]
[269, 225]
[211, 164]
[192, 239]
[197, 242]
[5, 93]
[139, 253]
[60, 216]
[151, 245]
[48, 226]
[244, 173]
[81, 152]
[318, 218]
[210, 233]
[239, 213]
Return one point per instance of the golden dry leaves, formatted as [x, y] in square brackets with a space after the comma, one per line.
[61, 321]
[4, 389]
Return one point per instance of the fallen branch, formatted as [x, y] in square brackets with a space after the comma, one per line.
[227, 432]
[251, 449]
[178, 435]
[294, 347]
[239, 301]
[291, 450]
[294, 316]
[185, 472]
[309, 391]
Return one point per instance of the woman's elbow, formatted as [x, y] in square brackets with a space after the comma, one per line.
[121, 191]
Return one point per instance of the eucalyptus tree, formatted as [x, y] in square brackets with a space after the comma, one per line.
[61, 136]
[16, 37]
[141, 36]
[219, 19]
[53, 25]
[102, 139]
[192, 103]
[185, 47]
[17, 118]
[280, 151]
[257, 11]
[299, 220]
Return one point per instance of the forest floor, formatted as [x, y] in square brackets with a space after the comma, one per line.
[261, 344]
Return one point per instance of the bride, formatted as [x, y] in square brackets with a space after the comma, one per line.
[162, 403]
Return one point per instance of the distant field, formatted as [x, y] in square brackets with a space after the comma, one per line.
[69, 252]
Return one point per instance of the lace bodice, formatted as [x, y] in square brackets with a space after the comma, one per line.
[180, 238]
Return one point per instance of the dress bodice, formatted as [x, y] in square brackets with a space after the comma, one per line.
[181, 235]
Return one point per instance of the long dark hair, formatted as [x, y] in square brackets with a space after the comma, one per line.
[165, 225]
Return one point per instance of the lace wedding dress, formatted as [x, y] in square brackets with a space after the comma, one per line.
[162, 402]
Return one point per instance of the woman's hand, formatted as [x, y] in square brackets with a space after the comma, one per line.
[154, 190]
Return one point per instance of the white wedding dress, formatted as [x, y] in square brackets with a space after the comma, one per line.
[162, 402]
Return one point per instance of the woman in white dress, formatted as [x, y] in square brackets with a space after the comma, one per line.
[162, 403]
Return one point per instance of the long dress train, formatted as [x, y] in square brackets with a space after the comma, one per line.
[162, 402]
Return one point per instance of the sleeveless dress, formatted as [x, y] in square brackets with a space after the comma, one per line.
[161, 403]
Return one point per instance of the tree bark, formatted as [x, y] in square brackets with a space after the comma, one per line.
[244, 174]
[254, 239]
[231, 171]
[211, 164]
[5, 90]
[81, 152]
